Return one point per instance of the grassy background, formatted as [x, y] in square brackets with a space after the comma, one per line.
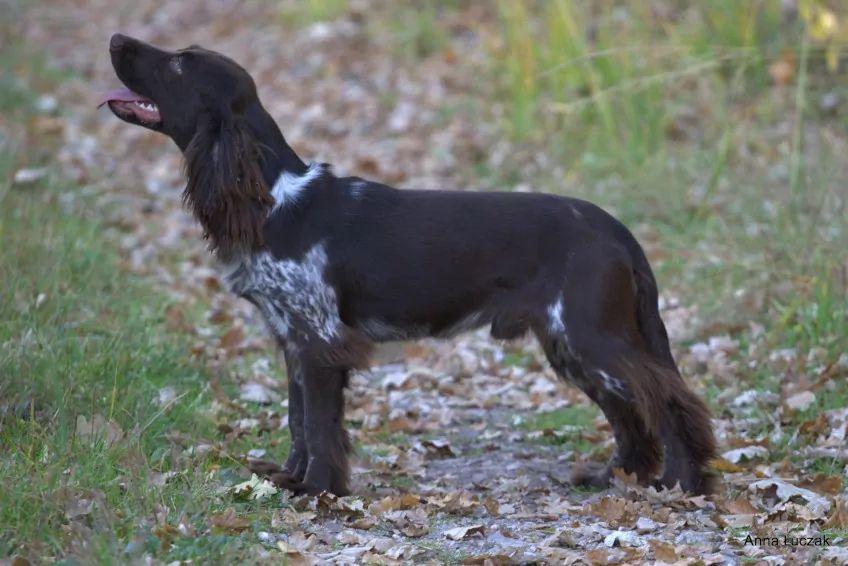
[79, 337]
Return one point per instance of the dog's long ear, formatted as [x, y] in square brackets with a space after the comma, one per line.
[226, 190]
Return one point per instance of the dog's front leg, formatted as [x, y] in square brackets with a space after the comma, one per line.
[298, 457]
[327, 442]
[294, 469]
[318, 460]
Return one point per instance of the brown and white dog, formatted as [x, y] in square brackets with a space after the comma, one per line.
[336, 264]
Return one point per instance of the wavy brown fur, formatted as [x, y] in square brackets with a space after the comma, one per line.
[226, 190]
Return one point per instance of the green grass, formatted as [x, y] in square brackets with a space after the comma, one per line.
[304, 12]
[81, 338]
[576, 415]
[567, 425]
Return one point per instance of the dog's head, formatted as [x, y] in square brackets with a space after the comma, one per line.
[177, 92]
[208, 105]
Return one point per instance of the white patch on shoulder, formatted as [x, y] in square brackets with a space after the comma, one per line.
[290, 292]
[357, 189]
[288, 186]
[555, 317]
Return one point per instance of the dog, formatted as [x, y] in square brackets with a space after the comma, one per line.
[336, 264]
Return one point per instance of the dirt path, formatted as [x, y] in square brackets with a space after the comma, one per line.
[454, 460]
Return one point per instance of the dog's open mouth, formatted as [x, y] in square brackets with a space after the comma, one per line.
[132, 107]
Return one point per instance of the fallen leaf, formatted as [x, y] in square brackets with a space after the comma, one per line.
[462, 533]
[435, 449]
[232, 339]
[488, 560]
[745, 454]
[255, 488]
[839, 518]
[738, 506]
[295, 556]
[597, 556]
[98, 429]
[258, 393]
[823, 483]
[663, 551]
[228, 521]
[456, 502]
[801, 401]
[166, 533]
[393, 503]
[328, 504]
[492, 506]
[778, 493]
[412, 523]
[724, 466]
[610, 508]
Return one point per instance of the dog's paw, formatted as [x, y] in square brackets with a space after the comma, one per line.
[296, 486]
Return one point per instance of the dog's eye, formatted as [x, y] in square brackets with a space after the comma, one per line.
[176, 64]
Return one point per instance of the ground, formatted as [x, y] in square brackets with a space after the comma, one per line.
[132, 388]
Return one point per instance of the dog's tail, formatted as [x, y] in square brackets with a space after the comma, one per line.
[687, 427]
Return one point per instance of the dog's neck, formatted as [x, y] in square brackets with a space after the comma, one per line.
[278, 157]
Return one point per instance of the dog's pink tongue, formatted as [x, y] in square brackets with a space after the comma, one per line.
[122, 94]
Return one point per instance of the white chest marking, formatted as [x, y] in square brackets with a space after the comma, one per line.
[290, 293]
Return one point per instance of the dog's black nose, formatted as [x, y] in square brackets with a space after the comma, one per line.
[117, 42]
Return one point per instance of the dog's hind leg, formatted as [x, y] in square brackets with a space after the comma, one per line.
[588, 367]
[592, 338]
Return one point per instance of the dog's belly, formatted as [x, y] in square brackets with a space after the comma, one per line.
[381, 330]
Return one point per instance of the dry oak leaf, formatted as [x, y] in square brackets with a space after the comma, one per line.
[99, 429]
[462, 533]
[839, 518]
[663, 551]
[327, 503]
[254, 488]
[612, 509]
[295, 554]
[228, 521]
[597, 556]
[725, 466]
[412, 523]
[779, 495]
[394, 503]
[823, 483]
[457, 503]
[739, 506]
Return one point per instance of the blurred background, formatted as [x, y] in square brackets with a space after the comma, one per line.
[718, 131]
